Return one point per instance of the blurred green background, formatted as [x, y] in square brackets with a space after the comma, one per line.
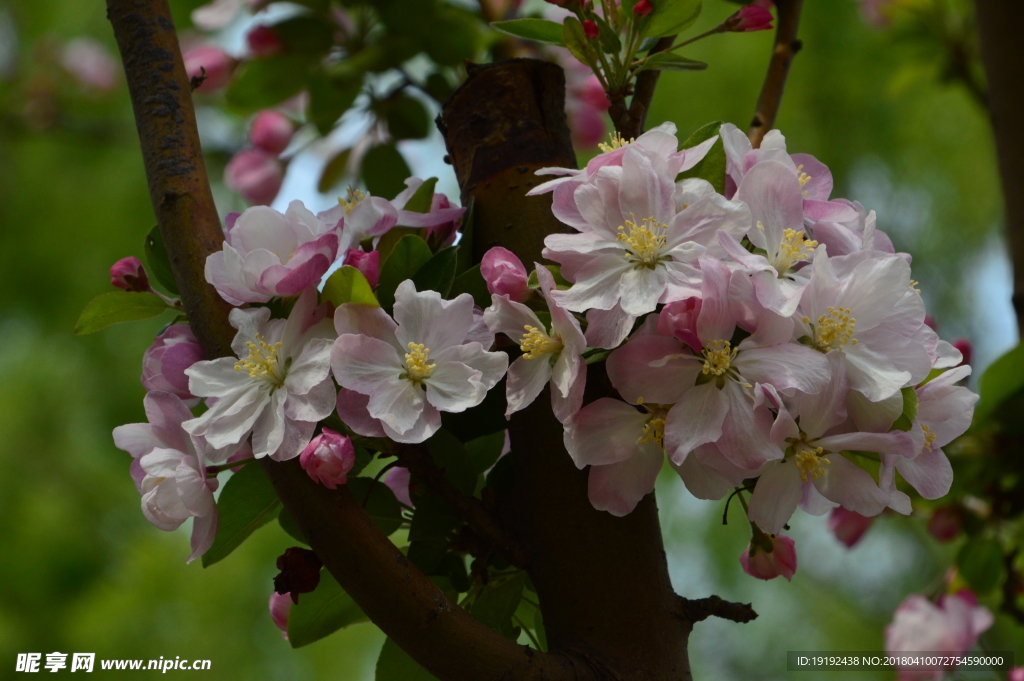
[82, 571]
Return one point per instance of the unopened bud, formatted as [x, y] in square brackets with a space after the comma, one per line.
[211, 64]
[367, 263]
[129, 274]
[504, 274]
[280, 607]
[271, 131]
[590, 29]
[328, 458]
[643, 8]
[946, 523]
[256, 175]
[965, 347]
[848, 526]
[749, 18]
[264, 41]
[767, 557]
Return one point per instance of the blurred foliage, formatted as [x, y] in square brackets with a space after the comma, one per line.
[84, 572]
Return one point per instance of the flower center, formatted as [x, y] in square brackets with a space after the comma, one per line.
[262, 363]
[929, 436]
[644, 241]
[803, 178]
[654, 429]
[811, 463]
[416, 362]
[718, 357]
[794, 248]
[615, 141]
[355, 197]
[536, 343]
[833, 330]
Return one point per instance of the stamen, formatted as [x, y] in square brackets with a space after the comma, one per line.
[616, 141]
[834, 330]
[535, 343]
[416, 362]
[355, 197]
[914, 286]
[654, 431]
[262, 363]
[718, 357]
[929, 436]
[794, 248]
[644, 241]
[811, 462]
[803, 178]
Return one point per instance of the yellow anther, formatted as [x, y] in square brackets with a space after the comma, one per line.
[718, 357]
[803, 178]
[760, 225]
[914, 286]
[615, 141]
[262, 363]
[644, 241]
[834, 330]
[416, 362]
[929, 436]
[794, 248]
[355, 197]
[811, 463]
[654, 431]
[535, 343]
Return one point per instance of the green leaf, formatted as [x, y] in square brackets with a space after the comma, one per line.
[561, 282]
[610, 42]
[906, 420]
[712, 166]
[981, 563]
[438, 87]
[433, 519]
[306, 34]
[454, 34]
[116, 307]
[348, 285]
[407, 119]
[427, 554]
[384, 170]
[247, 503]
[333, 171]
[577, 42]
[438, 273]
[472, 282]
[540, 30]
[395, 665]
[382, 506]
[1001, 381]
[672, 16]
[485, 418]
[451, 457]
[287, 523]
[669, 61]
[322, 612]
[406, 258]
[421, 199]
[159, 263]
[329, 98]
[495, 607]
[262, 83]
[484, 451]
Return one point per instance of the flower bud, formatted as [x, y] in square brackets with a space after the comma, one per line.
[505, 274]
[256, 175]
[590, 29]
[129, 274]
[397, 480]
[216, 64]
[367, 263]
[643, 8]
[965, 347]
[767, 557]
[280, 607]
[165, 362]
[1016, 674]
[271, 131]
[264, 41]
[300, 572]
[946, 523]
[679, 319]
[328, 458]
[930, 322]
[848, 526]
[749, 18]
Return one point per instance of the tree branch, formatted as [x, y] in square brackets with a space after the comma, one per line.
[786, 47]
[643, 93]
[1003, 58]
[700, 609]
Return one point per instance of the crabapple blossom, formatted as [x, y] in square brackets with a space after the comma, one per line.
[165, 361]
[277, 388]
[848, 526]
[129, 274]
[367, 263]
[271, 131]
[328, 458]
[749, 18]
[280, 606]
[416, 365]
[550, 355]
[210, 63]
[950, 626]
[397, 481]
[768, 556]
[256, 174]
[505, 275]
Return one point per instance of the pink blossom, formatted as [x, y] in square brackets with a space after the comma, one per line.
[263, 41]
[505, 274]
[129, 274]
[255, 174]
[280, 607]
[848, 526]
[951, 626]
[90, 63]
[586, 123]
[946, 523]
[643, 8]
[590, 29]
[965, 347]
[397, 480]
[328, 458]
[216, 64]
[367, 263]
[218, 13]
[165, 361]
[769, 556]
[679, 320]
[1016, 674]
[271, 131]
[749, 18]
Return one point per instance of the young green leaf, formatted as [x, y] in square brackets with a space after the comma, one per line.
[116, 307]
[384, 170]
[333, 171]
[159, 263]
[420, 201]
[495, 607]
[247, 503]
[712, 166]
[450, 456]
[672, 16]
[472, 282]
[262, 83]
[577, 42]
[438, 273]
[1001, 381]
[382, 506]
[406, 117]
[322, 612]
[540, 30]
[981, 564]
[669, 61]
[329, 98]
[287, 523]
[395, 665]
[484, 451]
[406, 258]
[348, 285]
[906, 420]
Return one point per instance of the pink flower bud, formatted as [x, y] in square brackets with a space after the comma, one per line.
[328, 458]
[965, 347]
[397, 480]
[271, 131]
[443, 235]
[367, 263]
[164, 363]
[946, 523]
[679, 319]
[217, 64]
[587, 127]
[264, 41]
[256, 175]
[764, 563]
[643, 8]
[592, 93]
[848, 526]
[1016, 674]
[929, 321]
[280, 608]
[590, 29]
[505, 274]
[749, 18]
[129, 274]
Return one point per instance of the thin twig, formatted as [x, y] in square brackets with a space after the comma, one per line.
[785, 48]
[630, 123]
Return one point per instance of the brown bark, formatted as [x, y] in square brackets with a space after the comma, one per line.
[999, 23]
[785, 48]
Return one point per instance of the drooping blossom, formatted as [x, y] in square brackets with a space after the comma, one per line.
[129, 274]
[268, 254]
[769, 556]
[256, 174]
[280, 606]
[951, 626]
[328, 458]
[849, 527]
[271, 131]
[550, 355]
[505, 275]
[277, 388]
[165, 361]
[212, 64]
[416, 365]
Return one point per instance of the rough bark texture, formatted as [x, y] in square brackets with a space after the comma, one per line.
[785, 48]
[999, 23]
[603, 581]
